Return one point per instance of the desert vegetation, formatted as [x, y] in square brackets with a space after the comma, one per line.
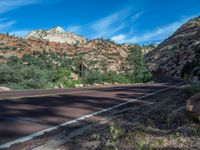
[50, 70]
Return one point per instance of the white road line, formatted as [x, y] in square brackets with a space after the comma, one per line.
[34, 135]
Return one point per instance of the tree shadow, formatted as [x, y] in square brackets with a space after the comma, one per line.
[23, 116]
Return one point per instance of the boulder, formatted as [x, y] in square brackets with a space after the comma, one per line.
[193, 106]
[4, 89]
[78, 85]
[56, 87]
[105, 83]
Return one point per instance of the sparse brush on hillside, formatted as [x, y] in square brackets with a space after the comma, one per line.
[50, 69]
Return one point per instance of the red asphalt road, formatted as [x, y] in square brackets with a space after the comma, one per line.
[24, 115]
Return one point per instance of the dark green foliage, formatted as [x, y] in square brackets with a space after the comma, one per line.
[93, 77]
[19, 76]
[109, 77]
[189, 66]
[47, 60]
[192, 89]
[39, 70]
[137, 71]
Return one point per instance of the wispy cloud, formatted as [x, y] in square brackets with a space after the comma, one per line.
[7, 5]
[110, 24]
[136, 16]
[156, 35]
[4, 26]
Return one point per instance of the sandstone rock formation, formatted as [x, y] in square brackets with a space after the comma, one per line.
[56, 34]
[171, 55]
[99, 54]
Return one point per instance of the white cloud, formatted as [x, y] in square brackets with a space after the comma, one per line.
[106, 22]
[119, 38]
[7, 5]
[111, 24]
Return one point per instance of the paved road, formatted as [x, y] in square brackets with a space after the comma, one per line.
[26, 112]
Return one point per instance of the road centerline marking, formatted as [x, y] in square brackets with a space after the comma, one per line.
[39, 133]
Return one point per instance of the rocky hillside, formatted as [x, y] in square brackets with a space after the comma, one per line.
[98, 54]
[170, 57]
[56, 34]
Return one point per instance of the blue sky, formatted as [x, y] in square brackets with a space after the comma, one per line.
[131, 21]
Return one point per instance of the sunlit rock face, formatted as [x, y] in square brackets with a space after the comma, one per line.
[58, 35]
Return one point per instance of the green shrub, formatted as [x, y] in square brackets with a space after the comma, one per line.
[112, 77]
[192, 89]
[19, 76]
[93, 77]
[8, 75]
[109, 77]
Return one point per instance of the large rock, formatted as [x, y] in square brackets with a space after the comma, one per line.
[193, 106]
[56, 34]
[4, 89]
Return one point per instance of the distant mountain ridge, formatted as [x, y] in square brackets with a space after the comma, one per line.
[56, 34]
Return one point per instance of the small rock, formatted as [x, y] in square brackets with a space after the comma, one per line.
[105, 83]
[96, 84]
[78, 85]
[56, 87]
[74, 76]
[81, 85]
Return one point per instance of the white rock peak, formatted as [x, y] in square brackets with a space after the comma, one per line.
[57, 29]
[56, 34]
